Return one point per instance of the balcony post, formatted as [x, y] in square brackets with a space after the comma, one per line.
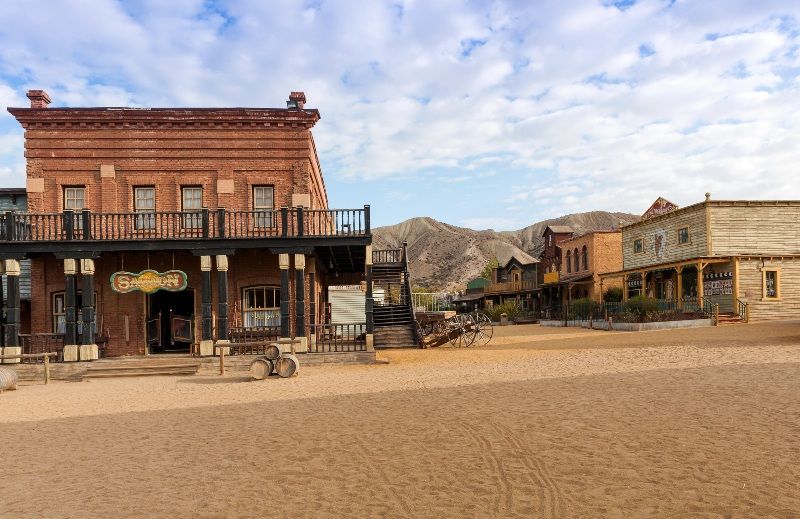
[204, 217]
[220, 223]
[700, 290]
[86, 223]
[206, 337]
[300, 302]
[10, 227]
[88, 349]
[69, 224]
[367, 229]
[283, 264]
[12, 309]
[679, 287]
[70, 312]
[369, 301]
[300, 230]
[284, 222]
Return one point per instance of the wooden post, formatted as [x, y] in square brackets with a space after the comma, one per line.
[700, 267]
[679, 287]
[47, 369]
[222, 360]
[283, 264]
[624, 288]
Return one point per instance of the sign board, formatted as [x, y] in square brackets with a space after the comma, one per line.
[718, 284]
[149, 281]
[659, 207]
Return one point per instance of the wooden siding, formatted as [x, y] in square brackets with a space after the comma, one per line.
[744, 228]
[694, 217]
[750, 289]
[726, 302]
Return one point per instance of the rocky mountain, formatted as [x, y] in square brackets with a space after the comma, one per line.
[443, 256]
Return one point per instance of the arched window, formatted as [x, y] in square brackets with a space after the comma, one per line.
[576, 260]
[585, 258]
[569, 261]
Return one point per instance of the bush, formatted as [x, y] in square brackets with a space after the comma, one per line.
[510, 308]
[613, 295]
[641, 307]
[581, 308]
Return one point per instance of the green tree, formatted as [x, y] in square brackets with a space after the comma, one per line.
[487, 270]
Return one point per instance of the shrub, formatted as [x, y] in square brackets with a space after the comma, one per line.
[613, 295]
[510, 308]
[641, 307]
[581, 308]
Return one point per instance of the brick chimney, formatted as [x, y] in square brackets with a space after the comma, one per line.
[39, 98]
[296, 100]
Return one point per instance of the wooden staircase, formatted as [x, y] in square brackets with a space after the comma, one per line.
[143, 366]
[393, 318]
[729, 318]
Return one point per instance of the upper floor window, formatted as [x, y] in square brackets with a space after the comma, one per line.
[683, 235]
[576, 260]
[550, 240]
[75, 198]
[144, 201]
[638, 245]
[261, 306]
[585, 258]
[192, 202]
[569, 261]
[263, 204]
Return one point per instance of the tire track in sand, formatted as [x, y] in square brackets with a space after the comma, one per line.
[498, 470]
[537, 469]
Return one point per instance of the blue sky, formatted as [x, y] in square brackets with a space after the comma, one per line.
[481, 114]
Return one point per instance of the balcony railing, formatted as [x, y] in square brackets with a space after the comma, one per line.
[510, 286]
[179, 225]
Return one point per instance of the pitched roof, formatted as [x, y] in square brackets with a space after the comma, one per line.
[558, 229]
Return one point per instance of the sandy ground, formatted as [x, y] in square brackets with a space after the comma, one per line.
[540, 423]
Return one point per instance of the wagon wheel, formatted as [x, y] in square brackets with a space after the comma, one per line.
[483, 329]
[421, 335]
[455, 331]
[470, 330]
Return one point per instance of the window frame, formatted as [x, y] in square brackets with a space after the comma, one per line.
[144, 222]
[640, 242]
[247, 311]
[263, 216]
[688, 235]
[569, 262]
[191, 217]
[62, 294]
[585, 257]
[764, 272]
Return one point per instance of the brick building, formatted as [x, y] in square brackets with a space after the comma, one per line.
[586, 257]
[172, 229]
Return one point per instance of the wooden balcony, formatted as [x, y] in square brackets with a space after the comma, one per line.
[89, 230]
[510, 287]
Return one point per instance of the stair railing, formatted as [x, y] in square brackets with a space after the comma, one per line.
[409, 300]
[743, 310]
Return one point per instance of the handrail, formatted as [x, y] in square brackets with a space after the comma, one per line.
[510, 286]
[179, 225]
[743, 310]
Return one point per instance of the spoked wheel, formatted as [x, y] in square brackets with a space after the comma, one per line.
[470, 329]
[483, 328]
[455, 331]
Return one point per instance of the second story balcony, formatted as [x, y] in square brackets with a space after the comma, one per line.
[510, 287]
[42, 232]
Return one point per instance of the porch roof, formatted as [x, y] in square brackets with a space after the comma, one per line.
[705, 260]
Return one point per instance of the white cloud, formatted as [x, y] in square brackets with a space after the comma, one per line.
[560, 91]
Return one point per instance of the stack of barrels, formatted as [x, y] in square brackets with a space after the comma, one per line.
[8, 379]
[274, 361]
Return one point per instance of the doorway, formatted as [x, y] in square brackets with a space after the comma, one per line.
[170, 321]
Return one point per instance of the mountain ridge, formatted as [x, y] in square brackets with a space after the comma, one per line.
[443, 256]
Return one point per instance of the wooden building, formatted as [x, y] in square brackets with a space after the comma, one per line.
[743, 256]
[550, 264]
[517, 279]
[178, 229]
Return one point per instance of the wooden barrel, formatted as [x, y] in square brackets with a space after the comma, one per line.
[261, 368]
[273, 352]
[8, 379]
[287, 365]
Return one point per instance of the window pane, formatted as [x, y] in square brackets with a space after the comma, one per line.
[192, 198]
[771, 283]
[74, 197]
[262, 197]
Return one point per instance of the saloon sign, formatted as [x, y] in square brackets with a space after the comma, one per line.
[659, 207]
[148, 281]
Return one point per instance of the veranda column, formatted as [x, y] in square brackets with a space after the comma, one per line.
[679, 287]
[88, 350]
[207, 325]
[12, 311]
[369, 301]
[70, 313]
[222, 302]
[700, 267]
[283, 264]
[624, 288]
[311, 268]
[300, 302]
